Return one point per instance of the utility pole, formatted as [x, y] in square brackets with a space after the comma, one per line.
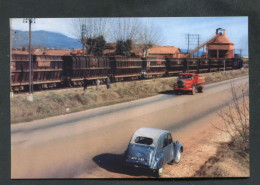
[30, 95]
[188, 43]
[198, 45]
[11, 36]
[83, 32]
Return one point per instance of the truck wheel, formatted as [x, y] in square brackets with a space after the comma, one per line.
[193, 91]
[158, 172]
[201, 90]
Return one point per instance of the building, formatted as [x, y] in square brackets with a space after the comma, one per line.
[220, 46]
[165, 52]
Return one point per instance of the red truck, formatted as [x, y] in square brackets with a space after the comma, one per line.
[189, 82]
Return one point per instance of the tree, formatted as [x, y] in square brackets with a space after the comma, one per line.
[99, 45]
[125, 32]
[92, 33]
[148, 37]
[124, 47]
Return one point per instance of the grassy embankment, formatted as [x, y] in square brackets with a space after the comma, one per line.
[58, 102]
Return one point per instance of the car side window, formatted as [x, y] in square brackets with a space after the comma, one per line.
[165, 141]
[169, 139]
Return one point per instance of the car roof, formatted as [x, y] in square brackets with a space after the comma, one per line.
[148, 132]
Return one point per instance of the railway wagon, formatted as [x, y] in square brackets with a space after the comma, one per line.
[245, 62]
[46, 71]
[221, 64]
[204, 66]
[226, 64]
[153, 67]
[76, 68]
[215, 65]
[125, 68]
[191, 65]
[174, 66]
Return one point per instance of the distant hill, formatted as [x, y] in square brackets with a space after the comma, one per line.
[44, 38]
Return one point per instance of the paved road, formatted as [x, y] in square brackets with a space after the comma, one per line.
[81, 144]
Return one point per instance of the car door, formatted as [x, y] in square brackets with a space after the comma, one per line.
[167, 149]
[171, 146]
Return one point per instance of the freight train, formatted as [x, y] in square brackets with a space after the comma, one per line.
[50, 71]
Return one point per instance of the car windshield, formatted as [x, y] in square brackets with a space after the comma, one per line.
[143, 140]
[186, 77]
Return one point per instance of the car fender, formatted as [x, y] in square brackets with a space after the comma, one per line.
[158, 161]
[178, 147]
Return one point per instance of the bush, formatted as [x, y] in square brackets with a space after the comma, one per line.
[235, 116]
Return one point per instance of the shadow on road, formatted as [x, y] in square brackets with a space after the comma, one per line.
[168, 92]
[114, 163]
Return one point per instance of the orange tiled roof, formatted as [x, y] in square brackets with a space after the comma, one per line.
[222, 40]
[107, 51]
[48, 52]
[20, 52]
[53, 52]
[164, 50]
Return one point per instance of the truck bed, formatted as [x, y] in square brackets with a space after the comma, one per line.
[201, 79]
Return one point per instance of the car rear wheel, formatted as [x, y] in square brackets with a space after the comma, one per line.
[159, 172]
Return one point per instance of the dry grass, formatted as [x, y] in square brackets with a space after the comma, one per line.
[228, 162]
[57, 102]
[232, 158]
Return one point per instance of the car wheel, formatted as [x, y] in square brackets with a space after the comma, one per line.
[171, 162]
[178, 157]
[159, 172]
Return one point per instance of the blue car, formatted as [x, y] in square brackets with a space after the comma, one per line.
[152, 148]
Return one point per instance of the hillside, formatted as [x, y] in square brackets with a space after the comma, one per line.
[44, 38]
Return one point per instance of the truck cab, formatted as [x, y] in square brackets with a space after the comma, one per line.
[189, 82]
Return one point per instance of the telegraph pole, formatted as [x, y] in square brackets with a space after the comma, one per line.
[11, 36]
[30, 95]
[83, 32]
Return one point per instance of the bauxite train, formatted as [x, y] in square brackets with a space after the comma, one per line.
[50, 70]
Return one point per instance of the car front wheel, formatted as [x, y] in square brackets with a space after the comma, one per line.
[178, 157]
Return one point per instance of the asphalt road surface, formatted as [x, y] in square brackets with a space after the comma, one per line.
[90, 143]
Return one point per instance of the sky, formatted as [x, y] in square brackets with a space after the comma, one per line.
[171, 29]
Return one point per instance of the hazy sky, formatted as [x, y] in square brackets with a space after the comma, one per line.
[172, 29]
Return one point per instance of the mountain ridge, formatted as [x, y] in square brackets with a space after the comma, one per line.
[44, 38]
